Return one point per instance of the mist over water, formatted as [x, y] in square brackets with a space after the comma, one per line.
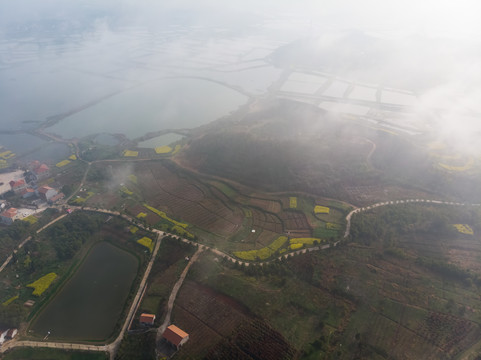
[85, 63]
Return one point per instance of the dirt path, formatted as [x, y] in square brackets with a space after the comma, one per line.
[173, 294]
[368, 158]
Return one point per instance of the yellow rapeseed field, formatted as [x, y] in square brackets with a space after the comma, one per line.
[295, 246]
[147, 242]
[42, 284]
[125, 190]
[177, 149]
[30, 219]
[164, 216]
[133, 229]
[464, 229]
[9, 301]
[293, 202]
[163, 149]
[321, 209]
[62, 163]
[131, 153]
[307, 241]
[264, 253]
[7, 155]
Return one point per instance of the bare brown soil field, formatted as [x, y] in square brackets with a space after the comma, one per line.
[295, 221]
[266, 221]
[264, 239]
[207, 316]
[103, 200]
[265, 204]
[465, 252]
[151, 218]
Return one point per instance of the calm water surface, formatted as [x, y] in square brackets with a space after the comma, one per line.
[89, 305]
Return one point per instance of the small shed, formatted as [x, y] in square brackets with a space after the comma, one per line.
[175, 336]
[147, 319]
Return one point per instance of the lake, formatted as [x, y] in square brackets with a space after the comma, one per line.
[90, 304]
[160, 104]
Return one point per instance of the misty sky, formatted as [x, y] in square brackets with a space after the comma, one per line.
[454, 19]
[429, 47]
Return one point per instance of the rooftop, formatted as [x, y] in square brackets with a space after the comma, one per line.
[41, 169]
[44, 189]
[174, 335]
[12, 212]
[147, 318]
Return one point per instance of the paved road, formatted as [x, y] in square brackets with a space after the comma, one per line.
[396, 202]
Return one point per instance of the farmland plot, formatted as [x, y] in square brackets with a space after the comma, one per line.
[265, 204]
[266, 221]
[208, 315]
[187, 200]
[295, 222]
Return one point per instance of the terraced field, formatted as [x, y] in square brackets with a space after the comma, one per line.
[187, 200]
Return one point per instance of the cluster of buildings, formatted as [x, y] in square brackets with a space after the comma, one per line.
[27, 188]
[173, 335]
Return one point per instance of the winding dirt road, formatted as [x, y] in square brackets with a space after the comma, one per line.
[173, 294]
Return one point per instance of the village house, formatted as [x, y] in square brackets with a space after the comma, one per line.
[46, 193]
[36, 172]
[9, 216]
[27, 192]
[57, 197]
[175, 336]
[147, 319]
[18, 185]
[41, 172]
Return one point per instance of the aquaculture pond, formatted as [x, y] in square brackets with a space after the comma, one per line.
[90, 304]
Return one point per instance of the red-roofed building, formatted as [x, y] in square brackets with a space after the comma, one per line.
[17, 185]
[175, 336]
[147, 319]
[46, 192]
[57, 197]
[26, 193]
[38, 171]
[9, 216]
[41, 172]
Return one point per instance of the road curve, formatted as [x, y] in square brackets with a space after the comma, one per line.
[396, 202]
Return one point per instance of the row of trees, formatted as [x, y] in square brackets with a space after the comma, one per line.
[392, 221]
[68, 236]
